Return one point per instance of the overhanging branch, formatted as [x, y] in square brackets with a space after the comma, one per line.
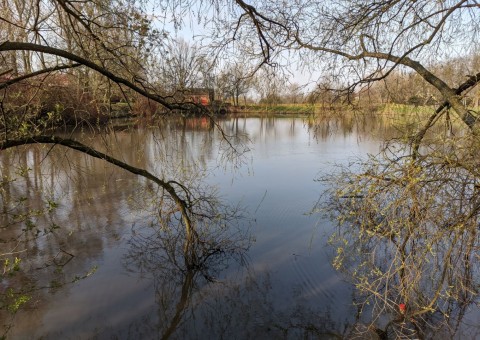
[21, 46]
[37, 73]
[451, 95]
[471, 82]
[73, 144]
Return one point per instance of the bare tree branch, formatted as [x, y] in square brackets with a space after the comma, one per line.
[15, 46]
[72, 144]
[37, 73]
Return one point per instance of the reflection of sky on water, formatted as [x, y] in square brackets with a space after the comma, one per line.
[280, 191]
[101, 209]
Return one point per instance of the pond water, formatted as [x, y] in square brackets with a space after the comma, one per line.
[100, 264]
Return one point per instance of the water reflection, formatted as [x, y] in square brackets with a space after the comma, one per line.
[66, 214]
[177, 269]
[66, 210]
[195, 296]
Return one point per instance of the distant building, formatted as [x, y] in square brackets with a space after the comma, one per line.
[202, 96]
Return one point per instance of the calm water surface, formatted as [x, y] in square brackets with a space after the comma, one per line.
[104, 272]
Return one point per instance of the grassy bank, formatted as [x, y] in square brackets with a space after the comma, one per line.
[302, 109]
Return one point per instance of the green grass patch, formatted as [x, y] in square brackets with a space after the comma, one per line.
[278, 108]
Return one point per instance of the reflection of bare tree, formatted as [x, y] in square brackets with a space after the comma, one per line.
[196, 293]
[195, 299]
[179, 263]
[51, 212]
[176, 279]
[408, 236]
[46, 226]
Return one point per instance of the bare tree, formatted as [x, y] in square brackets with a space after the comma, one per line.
[269, 85]
[294, 93]
[235, 81]
[184, 66]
